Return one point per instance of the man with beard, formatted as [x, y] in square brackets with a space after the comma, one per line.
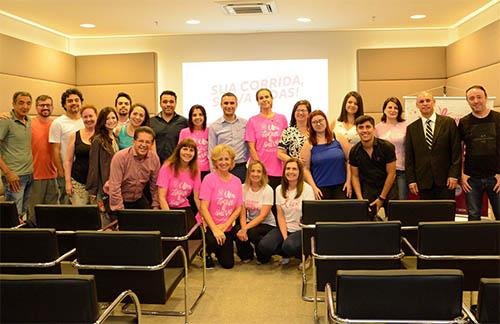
[44, 189]
[60, 130]
[16, 160]
[123, 102]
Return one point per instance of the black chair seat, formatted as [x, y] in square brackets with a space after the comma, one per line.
[8, 214]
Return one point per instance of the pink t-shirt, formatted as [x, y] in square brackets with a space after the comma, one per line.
[394, 134]
[200, 137]
[178, 188]
[223, 197]
[266, 133]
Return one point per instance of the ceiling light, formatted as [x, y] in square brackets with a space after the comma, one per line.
[419, 16]
[304, 19]
[192, 22]
[87, 25]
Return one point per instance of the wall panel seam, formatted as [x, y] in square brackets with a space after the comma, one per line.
[476, 69]
[413, 79]
[38, 79]
[110, 84]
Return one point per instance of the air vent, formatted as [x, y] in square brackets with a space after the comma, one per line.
[247, 8]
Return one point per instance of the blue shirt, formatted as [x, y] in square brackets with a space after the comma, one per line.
[328, 166]
[231, 133]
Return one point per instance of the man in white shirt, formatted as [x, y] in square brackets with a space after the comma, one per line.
[60, 130]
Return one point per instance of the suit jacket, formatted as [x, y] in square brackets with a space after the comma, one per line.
[432, 167]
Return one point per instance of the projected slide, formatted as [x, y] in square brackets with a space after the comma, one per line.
[289, 80]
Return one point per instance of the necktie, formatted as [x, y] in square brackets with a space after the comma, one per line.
[428, 133]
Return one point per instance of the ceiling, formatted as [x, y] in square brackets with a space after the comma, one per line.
[167, 17]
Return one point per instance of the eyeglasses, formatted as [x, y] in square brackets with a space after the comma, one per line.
[44, 105]
[318, 122]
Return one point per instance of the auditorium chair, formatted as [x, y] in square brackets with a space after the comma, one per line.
[411, 212]
[67, 219]
[488, 302]
[396, 296]
[57, 299]
[126, 260]
[341, 210]
[8, 215]
[29, 251]
[353, 246]
[173, 226]
[473, 247]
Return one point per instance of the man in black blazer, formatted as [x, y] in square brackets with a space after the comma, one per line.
[433, 156]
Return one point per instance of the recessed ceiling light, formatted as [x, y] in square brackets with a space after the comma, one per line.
[304, 19]
[419, 16]
[87, 25]
[192, 22]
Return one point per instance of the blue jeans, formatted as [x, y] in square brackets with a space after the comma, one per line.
[21, 198]
[474, 198]
[273, 243]
[402, 185]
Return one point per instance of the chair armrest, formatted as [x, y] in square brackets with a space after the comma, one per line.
[182, 238]
[39, 264]
[397, 256]
[410, 246]
[330, 307]
[19, 226]
[109, 310]
[110, 225]
[469, 314]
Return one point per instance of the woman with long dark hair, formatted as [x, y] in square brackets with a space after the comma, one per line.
[352, 108]
[294, 137]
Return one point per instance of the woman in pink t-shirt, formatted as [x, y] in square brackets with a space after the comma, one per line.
[178, 178]
[393, 129]
[263, 134]
[198, 131]
[221, 198]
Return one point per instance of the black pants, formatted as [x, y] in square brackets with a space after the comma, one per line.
[141, 203]
[274, 182]
[371, 193]
[333, 192]
[436, 193]
[240, 170]
[224, 252]
[245, 250]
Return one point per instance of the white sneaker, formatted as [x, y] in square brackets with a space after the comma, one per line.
[284, 261]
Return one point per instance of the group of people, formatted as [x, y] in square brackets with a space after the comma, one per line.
[244, 180]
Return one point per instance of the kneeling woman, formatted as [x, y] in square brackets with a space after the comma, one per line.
[178, 178]
[286, 239]
[221, 198]
[256, 218]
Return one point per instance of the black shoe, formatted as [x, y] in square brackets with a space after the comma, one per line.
[209, 262]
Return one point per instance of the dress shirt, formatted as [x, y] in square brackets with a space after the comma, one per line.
[433, 122]
[167, 133]
[129, 175]
[231, 133]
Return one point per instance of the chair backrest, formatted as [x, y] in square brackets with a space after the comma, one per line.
[411, 212]
[8, 214]
[28, 246]
[67, 218]
[123, 249]
[48, 299]
[170, 223]
[399, 295]
[355, 239]
[342, 210]
[461, 239]
[488, 302]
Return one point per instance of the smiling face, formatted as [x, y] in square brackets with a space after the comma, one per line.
[198, 118]
[44, 108]
[21, 106]
[229, 105]
[476, 98]
[425, 103]
[224, 162]
[319, 124]
[292, 171]
[391, 111]
[264, 99]
[167, 103]
[256, 173]
[351, 106]
[142, 144]
[137, 116]
[366, 131]
[111, 121]
[301, 113]
[187, 154]
[89, 118]
[122, 106]
[72, 104]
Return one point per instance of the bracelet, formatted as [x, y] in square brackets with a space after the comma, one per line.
[381, 198]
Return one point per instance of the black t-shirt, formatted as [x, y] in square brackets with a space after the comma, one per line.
[482, 144]
[167, 134]
[373, 170]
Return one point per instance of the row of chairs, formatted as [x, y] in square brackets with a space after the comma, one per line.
[408, 296]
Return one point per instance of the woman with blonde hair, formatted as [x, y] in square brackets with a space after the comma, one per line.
[221, 198]
[256, 218]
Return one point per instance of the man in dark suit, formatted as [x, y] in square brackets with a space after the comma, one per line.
[432, 152]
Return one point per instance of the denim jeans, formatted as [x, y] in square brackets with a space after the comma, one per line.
[402, 185]
[21, 198]
[474, 198]
[273, 243]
